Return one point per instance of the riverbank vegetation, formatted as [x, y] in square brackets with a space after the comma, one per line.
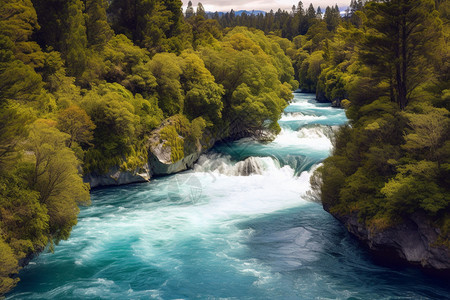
[390, 64]
[84, 83]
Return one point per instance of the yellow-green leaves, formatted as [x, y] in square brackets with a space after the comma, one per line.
[55, 175]
[166, 67]
[74, 121]
[8, 266]
[203, 94]
[428, 129]
[415, 187]
[121, 121]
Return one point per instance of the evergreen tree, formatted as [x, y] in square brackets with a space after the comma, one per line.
[200, 10]
[97, 28]
[332, 17]
[189, 10]
[52, 17]
[401, 44]
[75, 39]
[319, 13]
[152, 24]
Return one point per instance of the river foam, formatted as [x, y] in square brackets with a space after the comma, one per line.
[237, 226]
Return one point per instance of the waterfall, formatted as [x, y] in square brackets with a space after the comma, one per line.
[222, 164]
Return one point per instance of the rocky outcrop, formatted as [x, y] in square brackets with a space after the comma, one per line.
[159, 161]
[115, 176]
[249, 166]
[336, 102]
[162, 167]
[413, 241]
[160, 154]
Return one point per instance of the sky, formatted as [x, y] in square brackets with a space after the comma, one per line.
[265, 5]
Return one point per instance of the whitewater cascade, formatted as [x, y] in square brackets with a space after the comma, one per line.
[238, 225]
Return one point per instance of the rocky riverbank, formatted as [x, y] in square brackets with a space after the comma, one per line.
[413, 241]
[160, 160]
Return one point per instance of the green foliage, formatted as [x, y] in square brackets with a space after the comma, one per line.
[110, 108]
[429, 129]
[310, 70]
[39, 193]
[55, 177]
[9, 265]
[393, 160]
[18, 19]
[75, 39]
[173, 141]
[400, 42]
[13, 121]
[332, 17]
[182, 137]
[24, 218]
[98, 30]
[204, 32]
[416, 187]
[75, 122]
[152, 24]
[21, 83]
[121, 120]
[166, 67]
[257, 78]
[120, 57]
[203, 94]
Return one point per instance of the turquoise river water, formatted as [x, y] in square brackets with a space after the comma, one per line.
[214, 233]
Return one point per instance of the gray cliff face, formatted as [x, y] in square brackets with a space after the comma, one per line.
[115, 176]
[165, 168]
[412, 241]
[159, 161]
[159, 155]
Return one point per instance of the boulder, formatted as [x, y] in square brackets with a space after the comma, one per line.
[160, 154]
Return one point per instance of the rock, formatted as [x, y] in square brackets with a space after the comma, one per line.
[336, 102]
[160, 155]
[159, 161]
[412, 241]
[117, 177]
[248, 167]
[163, 167]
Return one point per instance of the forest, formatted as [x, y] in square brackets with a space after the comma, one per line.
[84, 83]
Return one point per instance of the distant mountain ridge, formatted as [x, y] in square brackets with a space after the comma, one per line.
[238, 13]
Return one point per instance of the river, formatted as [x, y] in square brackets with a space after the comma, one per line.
[213, 232]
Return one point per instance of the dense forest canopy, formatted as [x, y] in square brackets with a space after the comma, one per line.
[84, 83]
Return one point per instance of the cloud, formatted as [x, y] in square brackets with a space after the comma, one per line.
[266, 5]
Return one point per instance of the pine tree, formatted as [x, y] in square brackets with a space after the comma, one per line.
[319, 13]
[332, 17]
[200, 10]
[75, 39]
[97, 28]
[401, 44]
[189, 10]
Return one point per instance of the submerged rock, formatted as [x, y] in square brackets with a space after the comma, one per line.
[249, 166]
[414, 241]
